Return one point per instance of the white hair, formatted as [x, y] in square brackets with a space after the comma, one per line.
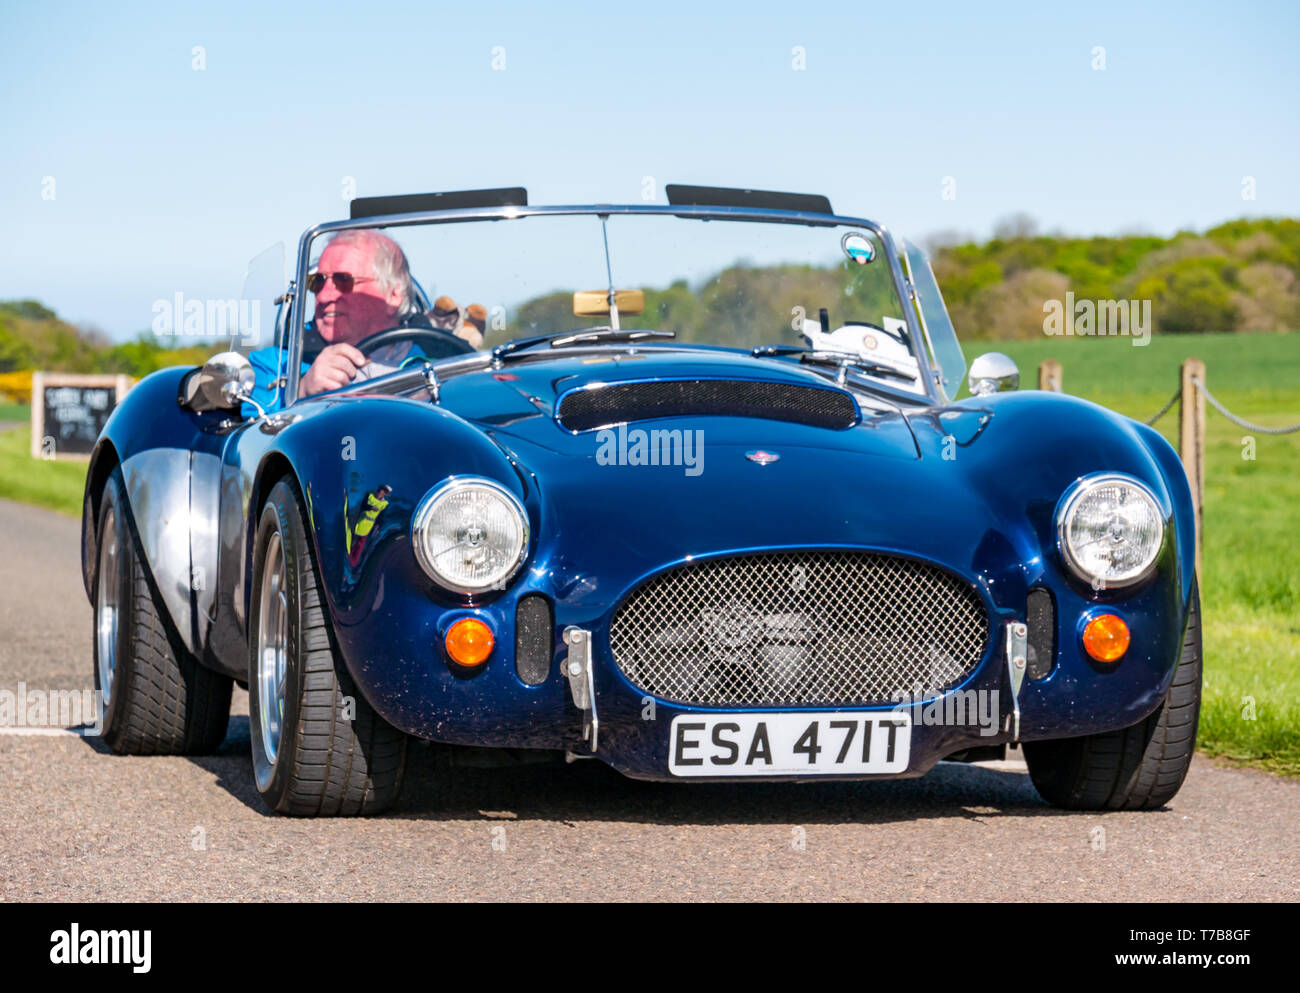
[388, 261]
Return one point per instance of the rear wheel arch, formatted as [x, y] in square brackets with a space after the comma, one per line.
[155, 696]
[102, 463]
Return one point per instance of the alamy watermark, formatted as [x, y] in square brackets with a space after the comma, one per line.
[658, 447]
[57, 709]
[208, 318]
[960, 708]
[75, 946]
[1098, 317]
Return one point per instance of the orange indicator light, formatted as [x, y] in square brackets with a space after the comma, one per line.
[469, 642]
[1106, 638]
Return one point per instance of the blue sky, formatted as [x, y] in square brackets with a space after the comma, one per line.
[167, 178]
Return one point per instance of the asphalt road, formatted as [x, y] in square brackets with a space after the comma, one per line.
[77, 823]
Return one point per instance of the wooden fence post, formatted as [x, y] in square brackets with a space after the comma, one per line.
[1191, 440]
[1049, 376]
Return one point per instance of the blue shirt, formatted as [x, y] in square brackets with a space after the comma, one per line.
[269, 364]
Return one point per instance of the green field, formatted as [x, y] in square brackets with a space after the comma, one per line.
[1251, 584]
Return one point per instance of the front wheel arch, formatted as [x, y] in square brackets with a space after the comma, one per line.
[274, 469]
[333, 754]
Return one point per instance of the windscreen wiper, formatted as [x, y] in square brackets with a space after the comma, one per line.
[582, 336]
[843, 360]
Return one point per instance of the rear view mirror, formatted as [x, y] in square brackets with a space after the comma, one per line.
[595, 303]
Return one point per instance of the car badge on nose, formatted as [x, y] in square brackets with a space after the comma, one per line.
[762, 457]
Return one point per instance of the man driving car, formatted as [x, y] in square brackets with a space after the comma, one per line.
[362, 286]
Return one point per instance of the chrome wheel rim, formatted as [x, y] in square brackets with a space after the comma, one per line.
[106, 609]
[272, 649]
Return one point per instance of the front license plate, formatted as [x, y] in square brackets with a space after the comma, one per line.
[789, 744]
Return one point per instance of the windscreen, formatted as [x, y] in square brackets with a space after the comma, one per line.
[739, 284]
[255, 323]
[948, 357]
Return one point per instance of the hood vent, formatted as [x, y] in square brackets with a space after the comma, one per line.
[598, 406]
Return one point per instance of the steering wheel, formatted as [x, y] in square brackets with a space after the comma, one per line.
[434, 343]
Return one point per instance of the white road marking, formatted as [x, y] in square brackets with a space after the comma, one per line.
[84, 731]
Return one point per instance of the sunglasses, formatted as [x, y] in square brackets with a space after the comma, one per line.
[343, 281]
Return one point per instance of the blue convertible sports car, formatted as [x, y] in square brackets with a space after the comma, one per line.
[704, 504]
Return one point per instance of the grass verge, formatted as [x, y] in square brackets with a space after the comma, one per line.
[58, 485]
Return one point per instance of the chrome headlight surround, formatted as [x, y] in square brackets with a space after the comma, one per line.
[436, 501]
[1069, 505]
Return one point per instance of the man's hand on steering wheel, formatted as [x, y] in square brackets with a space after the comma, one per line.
[333, 369]
[337, 365]
[433, 342]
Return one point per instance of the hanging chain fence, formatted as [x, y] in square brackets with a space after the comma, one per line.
[1165, 409]
[1214, 402]
[1241, 421]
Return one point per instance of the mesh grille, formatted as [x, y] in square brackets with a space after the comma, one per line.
[799, 628]
[584, 410]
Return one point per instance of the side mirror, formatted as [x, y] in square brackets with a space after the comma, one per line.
[993, 372]
[222, 383]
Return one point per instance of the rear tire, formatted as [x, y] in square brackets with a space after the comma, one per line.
[155, 697]
[1136, 768]
[309, 758]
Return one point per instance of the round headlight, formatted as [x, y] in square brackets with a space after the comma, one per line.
[470, 535]
[1110, 529]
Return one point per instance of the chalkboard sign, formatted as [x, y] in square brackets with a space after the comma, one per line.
[69, 411]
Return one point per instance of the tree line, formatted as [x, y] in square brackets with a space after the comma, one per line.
[1243, 275]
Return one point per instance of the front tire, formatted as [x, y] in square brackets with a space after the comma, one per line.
[154, 696]
[1136, 768]
[318, 746]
